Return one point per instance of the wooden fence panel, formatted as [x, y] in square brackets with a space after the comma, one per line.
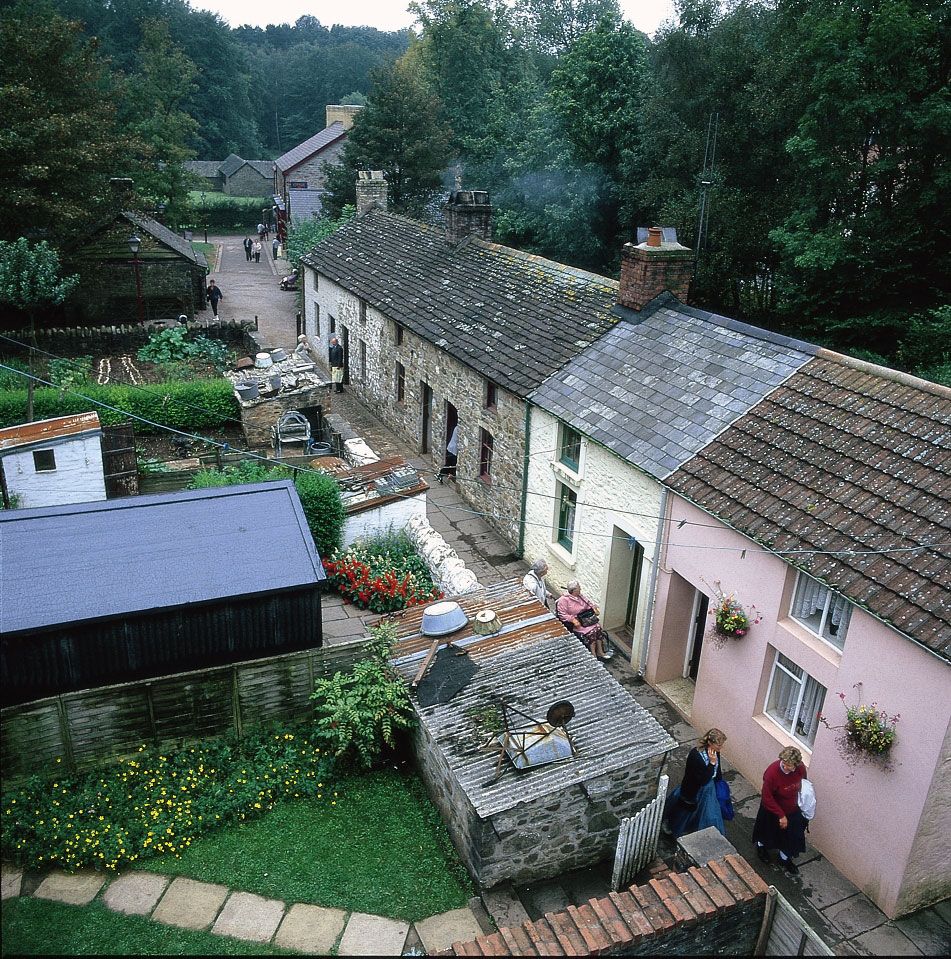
[788, 934]
[93, 726]
[637, 839]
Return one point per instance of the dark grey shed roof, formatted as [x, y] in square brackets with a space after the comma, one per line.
[662, 384]
[511, 316]
[264, 167]
[164, 235]
[231, 164]
[206, 168]
[610, 730]
[64, 564]
[316, 143]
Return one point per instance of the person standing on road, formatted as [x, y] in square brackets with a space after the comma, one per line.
[248, 243]
[260, 231]
[335, 357]
[274, 246]
[779, 822]
[214, 295]
[257, 251]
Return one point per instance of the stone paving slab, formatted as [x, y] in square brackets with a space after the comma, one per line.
[928, 931]
[251, 917]
[504, 906]
[440, 932]
[823, 884]
[854, 916]
[885, 941]
[310, 929]
[11, 881]
[135, 893]
[75, 889]
[367, 935]
[190, 904]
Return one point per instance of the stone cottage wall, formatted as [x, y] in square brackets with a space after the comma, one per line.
[260, 416]
[247, 182]
[542, 838]
[329, 310]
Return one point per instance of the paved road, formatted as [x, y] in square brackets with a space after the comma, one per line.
[252, 290]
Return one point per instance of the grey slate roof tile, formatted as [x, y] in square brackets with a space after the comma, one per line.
[310, 146]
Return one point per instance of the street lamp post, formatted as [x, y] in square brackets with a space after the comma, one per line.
[204, 216]
[134, 244]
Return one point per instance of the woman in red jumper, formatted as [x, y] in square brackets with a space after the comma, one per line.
[779, 823]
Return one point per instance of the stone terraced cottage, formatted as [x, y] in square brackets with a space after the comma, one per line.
[443, 328]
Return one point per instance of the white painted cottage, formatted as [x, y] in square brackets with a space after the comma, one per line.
[53, 462]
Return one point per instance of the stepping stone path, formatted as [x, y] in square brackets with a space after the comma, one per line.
[300, 927]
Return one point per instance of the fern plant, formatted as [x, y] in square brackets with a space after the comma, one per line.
[360, 713]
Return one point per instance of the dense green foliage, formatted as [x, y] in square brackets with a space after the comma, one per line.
[157, 801]
[39, 927]
[30, 275]
[177, 345]
[221, 213]
[306, 234]
[188, 406]
[360, 713]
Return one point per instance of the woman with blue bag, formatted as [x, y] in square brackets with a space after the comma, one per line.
[703, 798]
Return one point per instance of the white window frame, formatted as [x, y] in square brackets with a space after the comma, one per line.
[556, 542]
[830, 594]
[777, 665]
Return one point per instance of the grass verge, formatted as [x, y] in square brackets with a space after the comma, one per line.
[381, 849]
[211, 253]
[36, 927]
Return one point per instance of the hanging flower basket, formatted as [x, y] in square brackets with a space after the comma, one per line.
[867, 735]
[731, 620]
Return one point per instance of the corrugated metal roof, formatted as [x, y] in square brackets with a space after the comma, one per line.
[47, 431]
[309, 147]
[84, 561]
[530, 665]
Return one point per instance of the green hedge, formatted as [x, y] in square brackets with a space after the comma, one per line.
[190, 406]
[224, 212]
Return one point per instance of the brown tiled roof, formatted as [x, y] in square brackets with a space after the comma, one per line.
[845, 456]
[634, 921]
[514, 317]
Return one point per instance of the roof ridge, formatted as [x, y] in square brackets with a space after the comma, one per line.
[749, 329]
[884, 372]
[545, 262]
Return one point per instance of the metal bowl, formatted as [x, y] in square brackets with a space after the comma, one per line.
[247, 391]
[278, 355]
[443, 618]
[263, 360]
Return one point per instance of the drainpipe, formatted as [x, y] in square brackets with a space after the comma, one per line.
[528, 436]
[652, 588]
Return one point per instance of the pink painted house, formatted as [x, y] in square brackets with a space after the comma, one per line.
[828, 508]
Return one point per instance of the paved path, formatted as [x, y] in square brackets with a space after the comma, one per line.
[204, 906]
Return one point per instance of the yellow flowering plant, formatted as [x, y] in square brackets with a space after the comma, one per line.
[156, 801]
[868, 733]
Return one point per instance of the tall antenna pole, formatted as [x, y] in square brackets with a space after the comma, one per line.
[706, 181]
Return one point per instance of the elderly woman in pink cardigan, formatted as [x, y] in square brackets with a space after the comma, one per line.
[580, 615]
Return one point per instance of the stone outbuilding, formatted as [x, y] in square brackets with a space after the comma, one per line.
[522, 825]
[442, 328]
[234, 175]
[167, 275]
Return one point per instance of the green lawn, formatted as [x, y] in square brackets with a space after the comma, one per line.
[381, 849]
[211, 253]
[36, 927]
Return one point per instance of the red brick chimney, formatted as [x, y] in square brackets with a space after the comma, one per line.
[651, 267]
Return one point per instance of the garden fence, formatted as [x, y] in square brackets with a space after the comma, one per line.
[91, 726]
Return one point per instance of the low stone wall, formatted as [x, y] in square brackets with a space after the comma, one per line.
[448, 571]
[260, 416]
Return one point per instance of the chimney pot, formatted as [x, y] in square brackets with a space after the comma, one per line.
[371, 191]
[653, 267]
[468, 213]
[655, 236]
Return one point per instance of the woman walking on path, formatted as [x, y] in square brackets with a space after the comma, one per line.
[779, 822]
[694, 805]
[248, 243]
[257, 251]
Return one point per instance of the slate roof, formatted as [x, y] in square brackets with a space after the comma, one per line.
[662, 383]
[264, 167]
[231, 164]
[305, 204]
[84, 561]
[205, 168]
[511, 316]
[309, 147]
[164, 235]
[845, 456]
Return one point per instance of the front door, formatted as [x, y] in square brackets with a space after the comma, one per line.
[637, 562]
[426, 440]
[698, 627]
[346, 353]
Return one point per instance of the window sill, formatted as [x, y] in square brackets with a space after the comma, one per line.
[795, 630]
[773, 729]
[565, 475]
[485, 479]
[562, 555]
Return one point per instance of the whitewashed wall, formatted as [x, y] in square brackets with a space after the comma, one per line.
[78, 477]
[610, 491]
[396, 515]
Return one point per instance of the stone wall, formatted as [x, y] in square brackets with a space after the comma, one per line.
[615, 501]
[576, 827]
[248, 182]
[311, 171]
[451, 382]
[260, 416]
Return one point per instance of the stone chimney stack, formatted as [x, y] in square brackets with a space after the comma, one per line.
[468, 213]
[657, 264]
[343, 112]
[371, 191]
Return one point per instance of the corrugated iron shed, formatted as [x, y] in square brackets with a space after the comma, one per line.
[532, 663]
[47, 431]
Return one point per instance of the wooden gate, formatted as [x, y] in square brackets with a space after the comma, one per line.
[637, 841]
[118, 460]
[785, 933]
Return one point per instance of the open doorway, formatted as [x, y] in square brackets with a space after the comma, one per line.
[622, 598]
[701, 603]
[450, 442]
[426, 428]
